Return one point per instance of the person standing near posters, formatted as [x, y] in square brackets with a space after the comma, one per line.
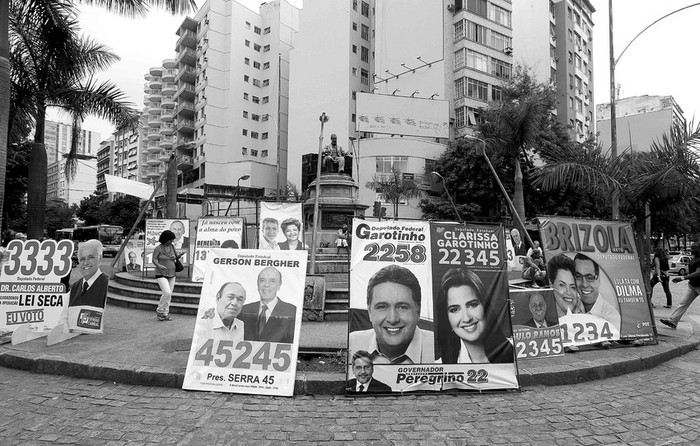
[270, 227]
[693, 278]
[363, 369]
[164, 257]
[467, 331]
[394, 303]
[270, 319]
[661, 274]
[291, 228]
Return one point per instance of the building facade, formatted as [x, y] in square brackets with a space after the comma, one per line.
[641, 120]
[555, 40]
[58, 137]
[82, 186]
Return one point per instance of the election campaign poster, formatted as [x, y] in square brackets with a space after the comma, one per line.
[598, 284]
[281, 226]
[391, 309]
[133, 256]
[31, 293]
[180, 227]
[536, 329]
[473, 336]
[215, 232]
[246, 336]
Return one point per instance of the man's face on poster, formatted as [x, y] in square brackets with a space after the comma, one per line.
[538, 307]
[587, 280]
[132, 257]
[515, 236]
[231, 301]
[178, 229]
[270, 230]
[269, 283]
[394, 315]
[88, 260]
[363, 370]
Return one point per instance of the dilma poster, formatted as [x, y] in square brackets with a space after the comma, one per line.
[593, 268]
[246, 335]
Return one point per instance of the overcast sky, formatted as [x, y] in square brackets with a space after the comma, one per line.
[662, 61]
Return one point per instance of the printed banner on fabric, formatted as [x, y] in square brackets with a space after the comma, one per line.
[31, 292]
[472, 313]
[246, 336]
[180, 227]
[215, 232]
[281, 226]
[598, 285]
[133, 256]
[536, 329]
[428, 308]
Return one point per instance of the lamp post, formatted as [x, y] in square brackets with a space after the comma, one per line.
[238, 193]
[444, 186]
[314, 231]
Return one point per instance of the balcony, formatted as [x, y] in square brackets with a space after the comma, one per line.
[186, 74]
[164, 155]
[167, 129]
[153, 147]
[188, 56]
[162, 169]
[156, 71]
[169, 75]
[185, 109]
[152, 159]
[154, 109]
[155, 83]
[185, 125]
[166, 142]
[184, 144]
[186, 92]
[187, 38]
[155, 96]
[200, 122]
[153, 134]
[168, 103]
[201, 84]
[154, 120]
[184, 162]
[167, 116]
[152, 172]
[169, 87]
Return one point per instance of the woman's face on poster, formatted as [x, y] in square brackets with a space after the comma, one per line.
[465, 313]
[565, 293]
[291, 232]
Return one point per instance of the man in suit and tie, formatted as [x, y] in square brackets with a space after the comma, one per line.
[363, 369]
[270, 319]
[518, 245]
[132, 265]
[538, 308]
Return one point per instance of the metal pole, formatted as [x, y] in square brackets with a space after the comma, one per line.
[444, 186]
[314, 231]
[613, 113]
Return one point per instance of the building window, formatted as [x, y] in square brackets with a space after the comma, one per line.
[266, 82]
[256, 47]
[365, 9]
[354, 71]
[254, 135]
[388, 164]
[478, 7]
[364, 76]
[264, 135]
[354, 26]
[365, 32]
[256, 82]
[263, 153]
[354, 95]
[267, 30]
[354, 49]
[364, 54]
[245, 96]
[265, 117]
[477, 61]
[353, 118]
[245, 132]
[501, 69]
[459, 30]
[571, 102]
[266, 99]
[500, 41]
[247, 61]
[266, 48]
[460, 87]
[459, 59]
[244, 151]
[579, 105]
[246, 78]
[255, 117]
[256, 65]
[253, 152]
[247, 25]
[477, 89]
[245, 114]
[256, 100]
[460, 117]
[266, 65]
[257, 30]
[354, 5]
[499, 15]
[496, 93]
[476, 33]
[247, 43]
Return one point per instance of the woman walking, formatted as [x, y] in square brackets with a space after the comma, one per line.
[660, 274]
[164, 257]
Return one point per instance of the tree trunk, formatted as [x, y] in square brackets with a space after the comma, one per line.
[518, 195]
[4, 97]
[171, 190]
[36, 191]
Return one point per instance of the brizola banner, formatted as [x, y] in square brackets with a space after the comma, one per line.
[399, 323]
[31, 293]
[281, 226]
[597, 280]
[472, 312]
[246, 336]
[180, 227]
[215, 232]
[536, 329]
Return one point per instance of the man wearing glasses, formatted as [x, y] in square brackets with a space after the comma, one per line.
[587, 275]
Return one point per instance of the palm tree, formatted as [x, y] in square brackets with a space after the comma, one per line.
[394, 188]
[46, 12]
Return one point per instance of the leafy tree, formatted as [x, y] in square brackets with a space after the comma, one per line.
[16, 187]
[94, 209]
[124, 211]
[289, 192]
[394, 188]
[58, 215]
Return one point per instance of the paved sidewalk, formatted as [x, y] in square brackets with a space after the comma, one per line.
[136, 349]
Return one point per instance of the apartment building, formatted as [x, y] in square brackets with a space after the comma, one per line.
[58, 137]
[105, 165]
[220, 106]
[641, 120]
[555, 39]
[82, 185]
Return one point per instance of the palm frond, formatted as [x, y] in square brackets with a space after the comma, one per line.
[139, 8]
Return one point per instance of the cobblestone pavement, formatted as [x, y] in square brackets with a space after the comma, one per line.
[654, 407]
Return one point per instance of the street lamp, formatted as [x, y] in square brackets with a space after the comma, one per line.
[238, 193]
[444, 186]
[314, 231]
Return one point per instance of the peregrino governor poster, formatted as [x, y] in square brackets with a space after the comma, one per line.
[428, 308]
[180, 227]
[31, 292]
[473, 337]
[246, 336]
[594, 270]
[215, 232]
